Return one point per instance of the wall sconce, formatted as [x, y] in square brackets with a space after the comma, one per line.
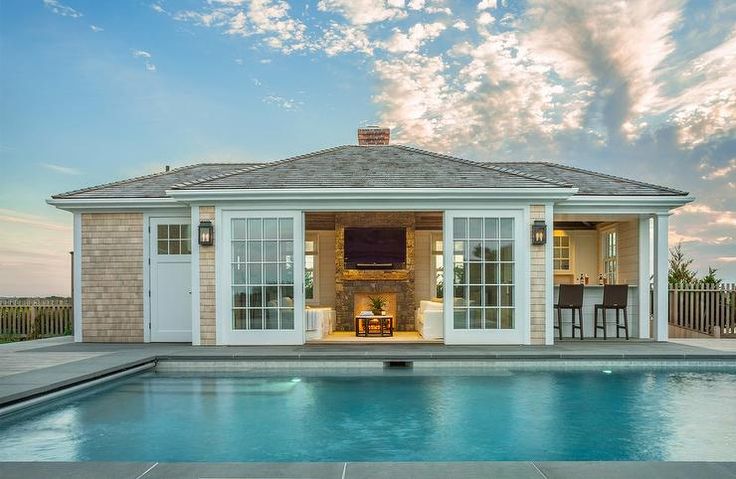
[539, 233]
[206, 231]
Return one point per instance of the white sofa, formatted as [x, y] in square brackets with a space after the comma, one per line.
[320, 322]
[429, 320]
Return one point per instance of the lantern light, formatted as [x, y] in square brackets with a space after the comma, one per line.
[539, 233]
[206, 231]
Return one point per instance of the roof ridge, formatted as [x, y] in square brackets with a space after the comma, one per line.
[621, 178]
[258, 166]
[127, 180]
[483, 165]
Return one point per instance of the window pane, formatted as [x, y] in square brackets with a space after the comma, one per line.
[507, 318]
[238, 229]
[239, 319]
[507, 250]
[238, 251]
[272, 318]
[286, 273]
[255, 317]
[254, 251]
[490, 295]
[438, 247]
[491, 228]
[270, 273]
[185, 231]
[491, 250]
[459, 228]
[254, 273]
[270, 228]
[475, 228]
[239, 274]
[254, 228]
[162, 231]
[564, 241]
[286, 228]
[270, 250]
[309, 246]
[491, 318]
[476, 250]
[564, 264]
[163, 247]
[460, 318]
[255, 296]
[174, 232]
[507, 273]
[461, 273]
[240, 296]
[287, 318]
[287, 296]
[491, 273]
[174, 247]
[186, 247]
[476, 318]
[309, 284]
[272, 296]
[506, 228]
[461, 295]
[507, 295]
[475, 273]
[475, 295]
[287, 250]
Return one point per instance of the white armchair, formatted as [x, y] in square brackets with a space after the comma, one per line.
[429, 319]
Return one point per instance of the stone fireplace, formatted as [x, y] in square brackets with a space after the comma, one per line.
[352, 286]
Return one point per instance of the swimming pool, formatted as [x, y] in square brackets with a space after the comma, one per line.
[386, 416]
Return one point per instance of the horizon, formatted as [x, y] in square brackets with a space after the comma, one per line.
[95, 92]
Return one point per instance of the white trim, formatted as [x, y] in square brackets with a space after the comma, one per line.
[522, 280]
[225, 334]
[661, 256]
[70, 204]
[621, 204]
[549, 290]
[196, 333]
[77, 273]
[316, 238]
[643, 276]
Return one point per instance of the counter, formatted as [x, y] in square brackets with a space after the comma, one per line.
[594, 295]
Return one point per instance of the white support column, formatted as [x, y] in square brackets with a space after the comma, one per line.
[661, 254]
[77, 272]
[549, 332]
[194, 229]
[644, 275]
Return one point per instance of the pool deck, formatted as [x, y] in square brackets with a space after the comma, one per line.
[366, 470]
[38, 367]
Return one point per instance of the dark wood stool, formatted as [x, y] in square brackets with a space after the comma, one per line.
[570, 297]
[615, 296]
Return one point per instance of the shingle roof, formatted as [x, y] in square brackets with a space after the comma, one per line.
[155, 185]
[591, 183]
[392, 166]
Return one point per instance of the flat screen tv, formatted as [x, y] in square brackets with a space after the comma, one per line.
[375, 248]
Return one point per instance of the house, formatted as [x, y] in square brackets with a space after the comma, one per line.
[289, 251]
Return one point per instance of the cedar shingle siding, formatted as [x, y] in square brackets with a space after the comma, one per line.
[112, 277]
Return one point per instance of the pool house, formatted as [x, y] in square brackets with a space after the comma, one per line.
[369, 243]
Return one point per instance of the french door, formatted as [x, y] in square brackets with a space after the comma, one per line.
[262, 278]
[486, 277]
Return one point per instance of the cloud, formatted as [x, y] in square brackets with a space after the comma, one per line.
[287, 104]
[362, 12]
[147, 57]
[61, 9]
[96, 29]
[460, 25]
[486, 4]
[18, 217]
[61, 169]
[717, 173]
[414, 38]
[339, 38]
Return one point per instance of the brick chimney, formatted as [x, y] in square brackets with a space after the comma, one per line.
[373, 135]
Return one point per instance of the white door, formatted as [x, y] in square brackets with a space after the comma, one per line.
[486, 257]
[171, 279]
[261, 278]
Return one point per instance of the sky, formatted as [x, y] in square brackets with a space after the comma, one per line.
[93, 91]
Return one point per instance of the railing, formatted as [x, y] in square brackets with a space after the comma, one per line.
[704, 308]
[32, 318]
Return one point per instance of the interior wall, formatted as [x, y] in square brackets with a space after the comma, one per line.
[628, 252]
[325, 269]
[423, 258]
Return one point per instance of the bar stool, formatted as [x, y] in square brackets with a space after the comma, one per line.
[570, 297]
[615, 296]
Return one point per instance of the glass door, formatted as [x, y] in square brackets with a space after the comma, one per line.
[264, 265]
[489, 272]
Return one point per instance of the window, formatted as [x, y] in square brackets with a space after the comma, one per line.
[561, 247]
[311, 246]
[438, 276]
[173, 239]
[610, 256]
[262, 265]
[483, 264]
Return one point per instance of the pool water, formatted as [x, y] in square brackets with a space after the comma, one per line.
[405, 416]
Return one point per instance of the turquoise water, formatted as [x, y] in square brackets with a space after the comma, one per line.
[404, 416]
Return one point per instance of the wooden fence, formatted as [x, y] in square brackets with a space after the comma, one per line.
[703, 307]
[33, 318]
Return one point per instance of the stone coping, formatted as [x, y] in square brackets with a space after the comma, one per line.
[369, 470]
